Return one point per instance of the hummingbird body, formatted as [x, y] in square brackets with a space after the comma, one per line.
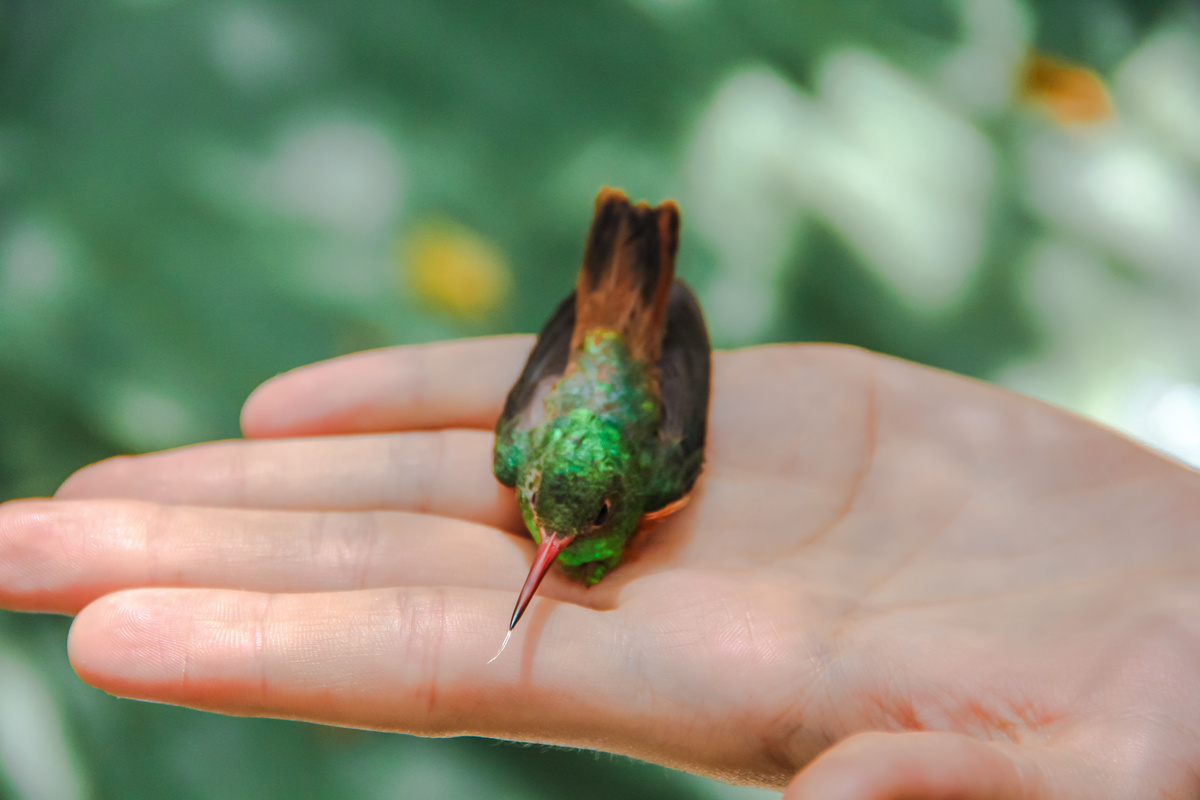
[587, 453]
[607, 421]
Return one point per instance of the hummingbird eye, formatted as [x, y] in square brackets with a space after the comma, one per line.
[602, 514]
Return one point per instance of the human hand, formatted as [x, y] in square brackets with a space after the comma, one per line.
[902, 582]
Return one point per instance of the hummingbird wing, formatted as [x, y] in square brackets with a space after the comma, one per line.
[523, 408]
[685, 368]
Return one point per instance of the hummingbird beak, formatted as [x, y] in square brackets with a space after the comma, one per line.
[552, 544]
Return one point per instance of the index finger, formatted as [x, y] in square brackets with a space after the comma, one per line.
[459, 384]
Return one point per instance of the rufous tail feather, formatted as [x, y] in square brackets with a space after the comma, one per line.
[628, 268]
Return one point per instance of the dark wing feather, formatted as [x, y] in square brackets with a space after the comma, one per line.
[685, 368]
[548, 360]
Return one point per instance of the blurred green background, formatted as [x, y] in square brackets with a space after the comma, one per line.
[195, 197]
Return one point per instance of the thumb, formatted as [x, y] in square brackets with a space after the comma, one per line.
[929, 766]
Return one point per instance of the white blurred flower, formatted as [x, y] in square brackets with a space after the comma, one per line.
[905, 179]
[1118, 188]
[980, 74]
[1116, 286]
[252, 46]
[33, 265]
[876, 156]
[36, 758]
[340, 174]
[742, 198]
[1103, 333]
[1166, 415]
[1160, 84]
[38, 269]
[144, 418]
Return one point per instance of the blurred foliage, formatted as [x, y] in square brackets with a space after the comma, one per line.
[195, 197]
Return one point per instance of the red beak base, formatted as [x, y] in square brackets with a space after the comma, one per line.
[552, 544]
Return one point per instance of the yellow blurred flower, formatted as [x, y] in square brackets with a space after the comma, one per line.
[1070, 93]
[454, 269]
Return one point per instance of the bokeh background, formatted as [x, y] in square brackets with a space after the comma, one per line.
[197, 196]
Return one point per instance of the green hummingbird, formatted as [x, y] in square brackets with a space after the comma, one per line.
[607, 422]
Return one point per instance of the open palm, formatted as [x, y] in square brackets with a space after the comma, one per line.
[931, 587]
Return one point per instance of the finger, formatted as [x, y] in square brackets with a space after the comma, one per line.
[59, 556]
[447, 473]
[412, 660]
[928, 765]
[443, 385]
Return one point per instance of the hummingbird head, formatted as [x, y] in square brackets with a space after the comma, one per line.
[576, 502]
[578, 487]
[578, 505]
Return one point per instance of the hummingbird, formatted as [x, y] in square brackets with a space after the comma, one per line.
[606, 424]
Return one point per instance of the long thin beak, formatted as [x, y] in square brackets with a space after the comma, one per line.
[552, 544]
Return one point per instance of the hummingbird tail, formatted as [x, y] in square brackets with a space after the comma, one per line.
[628, 268]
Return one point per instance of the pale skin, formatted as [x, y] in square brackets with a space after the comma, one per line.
[890, 582]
